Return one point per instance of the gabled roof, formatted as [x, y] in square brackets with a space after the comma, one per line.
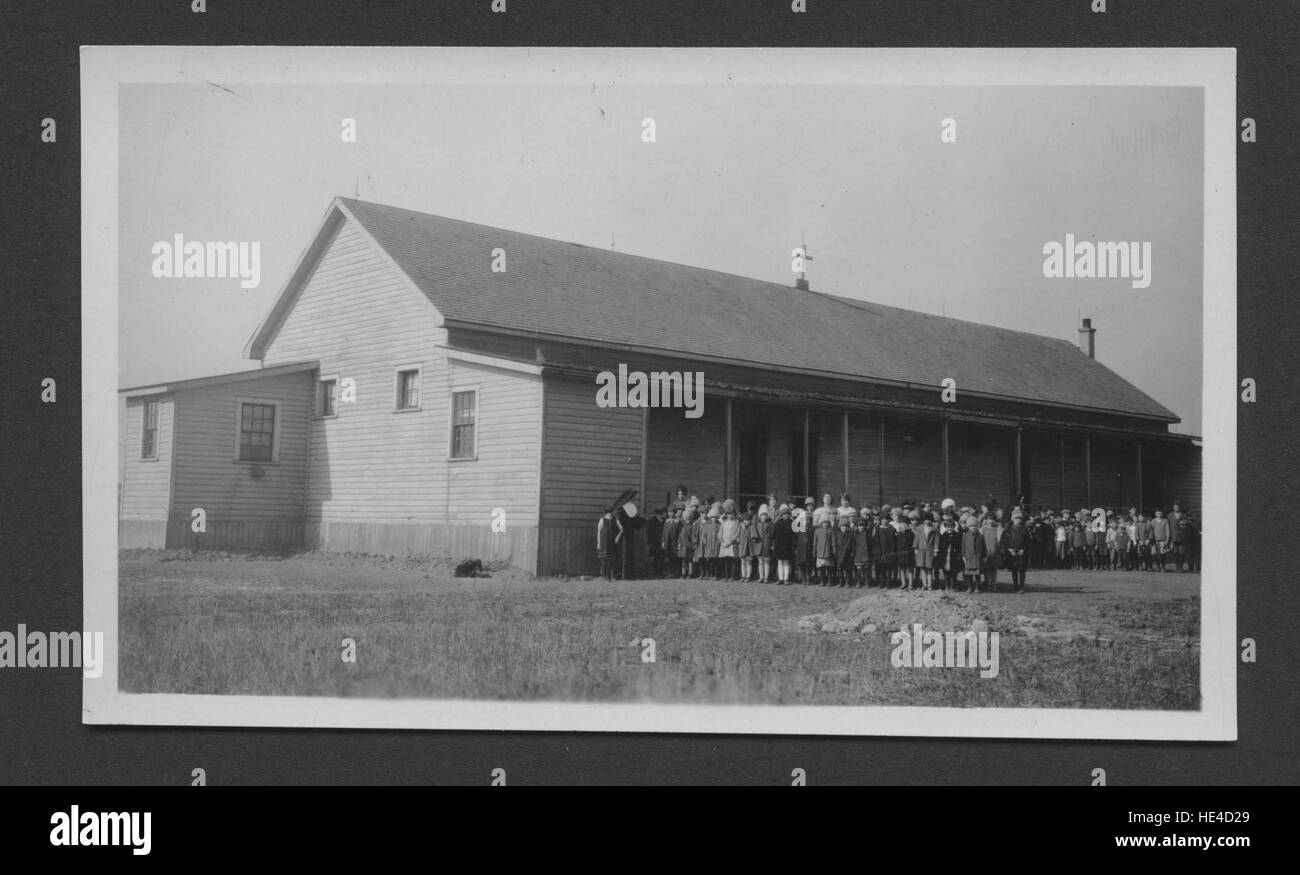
[595, 296]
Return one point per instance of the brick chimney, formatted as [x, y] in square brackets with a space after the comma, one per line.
[1087, 338]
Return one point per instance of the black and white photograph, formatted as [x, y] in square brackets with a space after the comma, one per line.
[801, 391]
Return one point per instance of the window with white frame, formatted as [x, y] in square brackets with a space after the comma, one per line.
[407, 389]
[327, 396]
[258, 421]
[464, 424]
[149, 430]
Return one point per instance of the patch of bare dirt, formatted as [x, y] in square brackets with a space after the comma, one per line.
[889, 611]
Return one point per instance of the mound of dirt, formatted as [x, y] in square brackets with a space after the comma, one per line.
[890, 611]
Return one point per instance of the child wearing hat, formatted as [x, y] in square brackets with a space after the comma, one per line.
[762, 543]
[844, 552]
[824, 549]
[883, 548]
[862, 547]
[1123, 544]
[1015, 549]
[949, 559]
[701, 520]
[927, 546]
[729, 545]
[668, 540]
[654, 536]
[905, 549]
[974, 555]
[783, 540]
[710, 541]
[992, 532]
[686, 533]
[1100, 554]
[1159, 540]
[1078, 545]
[803, 547]
[1178, 539]
[1143, 537]
[745, 546]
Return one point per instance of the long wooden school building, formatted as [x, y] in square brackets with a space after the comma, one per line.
[412, 399]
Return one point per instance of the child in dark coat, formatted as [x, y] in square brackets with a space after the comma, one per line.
[668, 539]
[974, 555]
[844, 552]
[927, 545]
[654, 534]
[949, 560]
[883, 540]
[1079, 540]
[686, 534]
[783, 541]
[862, 544]
[905, 552]
[762, 545]
[824, 550]
[1015, 549]
[710, 541]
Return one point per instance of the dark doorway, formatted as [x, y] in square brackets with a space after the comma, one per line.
[751, 463]
[1153, 481]
[1026, 459]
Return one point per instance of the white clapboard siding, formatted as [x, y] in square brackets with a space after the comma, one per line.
[207, 473]
[505, 473]
[864, 460]
[589, 455]
[685, 452]
[361, 320]
[146, 483]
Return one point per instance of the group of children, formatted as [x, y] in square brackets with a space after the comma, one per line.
[907, 547]
[1121, 541]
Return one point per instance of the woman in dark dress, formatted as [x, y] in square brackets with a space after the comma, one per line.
[803, 555]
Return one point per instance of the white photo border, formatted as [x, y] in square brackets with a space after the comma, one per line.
[105, 68]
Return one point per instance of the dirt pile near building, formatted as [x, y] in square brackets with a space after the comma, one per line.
[890, 611]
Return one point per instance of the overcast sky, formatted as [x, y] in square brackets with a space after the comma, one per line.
[738, 173]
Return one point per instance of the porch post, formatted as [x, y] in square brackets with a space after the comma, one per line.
[726, 456]
[1139, 478]
[881, 481]
[645, 443]
[846, 451]
[1061, 455]
[1087, 466]
[947, 490]
[1020, 486]
[807, 485]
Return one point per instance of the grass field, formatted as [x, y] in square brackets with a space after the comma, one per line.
[262, 626]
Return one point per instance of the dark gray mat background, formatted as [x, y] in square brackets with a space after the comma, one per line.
[42, 740]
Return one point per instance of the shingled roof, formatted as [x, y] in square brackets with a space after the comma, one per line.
[589, 295]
